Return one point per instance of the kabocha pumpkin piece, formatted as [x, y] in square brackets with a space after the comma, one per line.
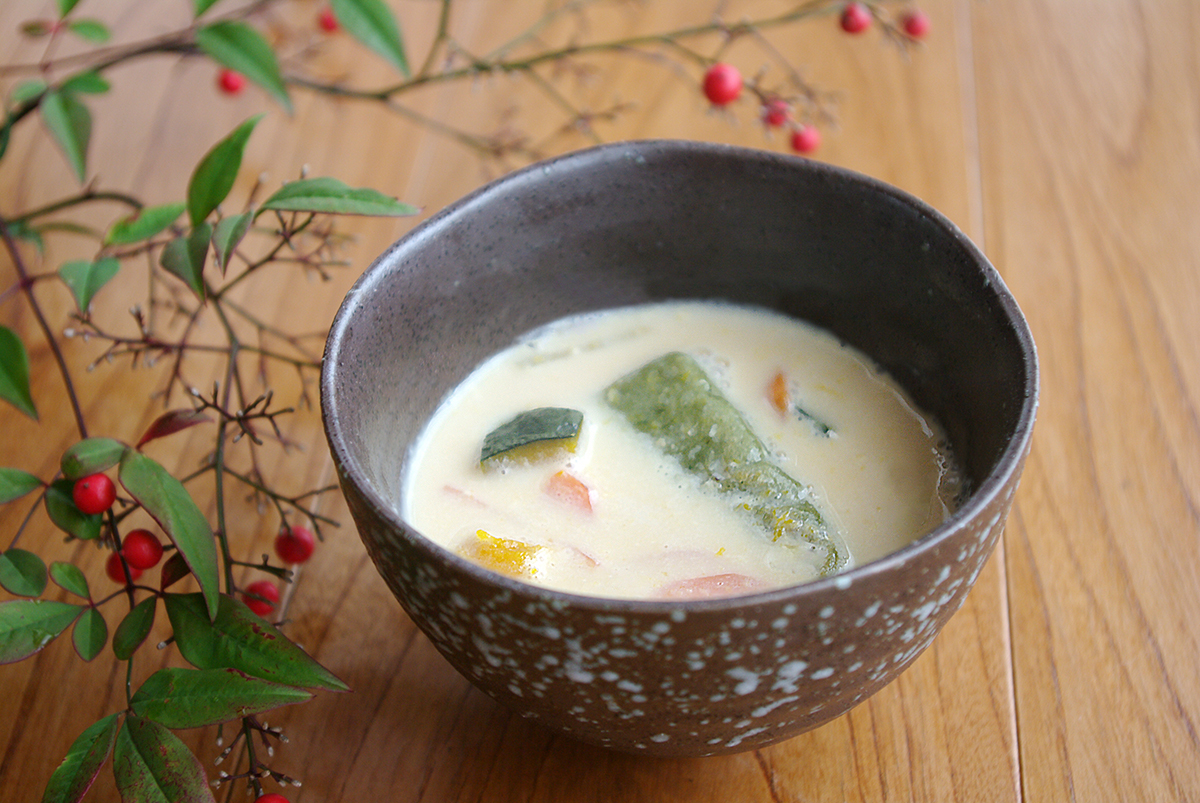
[674, 401]
[532, 436]
[504, 555]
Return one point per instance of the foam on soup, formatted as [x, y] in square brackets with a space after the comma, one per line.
[677, 450]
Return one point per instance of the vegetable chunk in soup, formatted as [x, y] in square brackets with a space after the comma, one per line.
[677, 450]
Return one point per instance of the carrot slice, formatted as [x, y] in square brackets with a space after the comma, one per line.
[571, 490]
[714, 585]
[778, 395]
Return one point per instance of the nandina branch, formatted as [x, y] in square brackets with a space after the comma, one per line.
[87, 196]
[479, 67]
[280, 500]
[26, 284]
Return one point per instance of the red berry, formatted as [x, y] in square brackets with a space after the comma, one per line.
[271, 797]
[775, 112]
[327, 20]
[231, 82]
[269, 593]
[806, 139]
[916, 23]
[141, 549]
[94, 494]
[722, 84]
[116, 570]
[856, 18]
[294, 544]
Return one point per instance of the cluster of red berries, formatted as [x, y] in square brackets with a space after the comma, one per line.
[857, 17]
[140, 549]
[293, 545]
[723, 85]
[271, 797]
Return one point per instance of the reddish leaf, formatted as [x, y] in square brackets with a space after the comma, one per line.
[152, 765]
[83, 762]
[174, 570]
[171, 422]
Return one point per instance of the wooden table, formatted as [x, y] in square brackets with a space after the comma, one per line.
[1062, 135]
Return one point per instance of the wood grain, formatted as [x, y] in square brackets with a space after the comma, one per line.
[1091, 220]
[1061, 134]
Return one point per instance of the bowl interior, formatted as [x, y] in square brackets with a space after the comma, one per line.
[638, 222]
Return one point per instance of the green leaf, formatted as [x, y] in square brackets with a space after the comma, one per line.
[15, 483]
[91, 456]
[213, 178]
[185, 257]
[192, 698]
[71, 578]
[89, 82]
[21, 230]
[134, 628]
[27, 625]
[27, 91]
[65, 6]
[83, 762]
[373, 24]
[152, 765]
[238, 639]
[90, 633]
[331, 195]
[90, 30]
[227, 234]
[165, 498]
[143, 224]
[70, 124]
[241, 48]
[68, 518]
[204, 5]
[22, 573]
[86, 278]
[14, 373]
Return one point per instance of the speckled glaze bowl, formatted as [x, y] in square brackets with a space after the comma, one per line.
[643, 221]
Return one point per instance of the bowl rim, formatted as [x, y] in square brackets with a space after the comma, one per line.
[977, 501]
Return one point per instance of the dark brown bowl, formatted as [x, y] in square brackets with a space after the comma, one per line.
[645, 221]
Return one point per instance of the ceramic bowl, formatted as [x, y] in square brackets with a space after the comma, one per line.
[645, 221]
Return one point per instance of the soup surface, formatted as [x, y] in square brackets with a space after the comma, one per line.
[617, 454]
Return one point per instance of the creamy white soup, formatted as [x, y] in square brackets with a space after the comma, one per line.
[677, 450]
